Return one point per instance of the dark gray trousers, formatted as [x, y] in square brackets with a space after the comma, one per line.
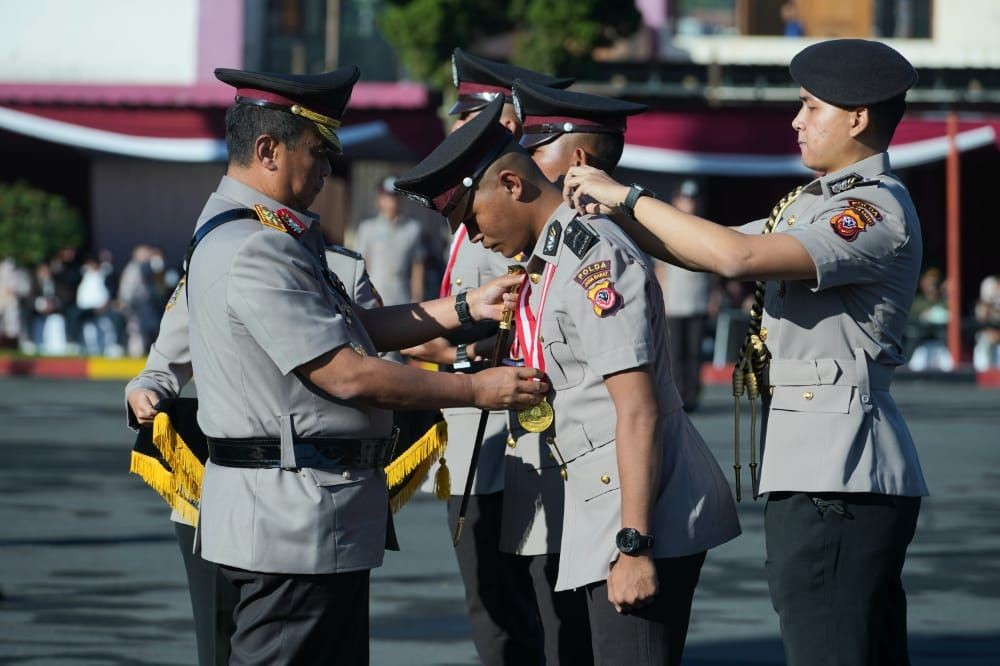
[213, 600]
[833, 567]
[565, 622]
[502, 612]
[653, 635]
[299, 620]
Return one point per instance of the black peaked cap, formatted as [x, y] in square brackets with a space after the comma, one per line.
[326, 93]
[463, 156]
[852, 72]
[478, 80]
[547, 112]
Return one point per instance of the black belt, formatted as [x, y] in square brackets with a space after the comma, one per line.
[261, 452]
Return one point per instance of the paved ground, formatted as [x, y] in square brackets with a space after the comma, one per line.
[90, 573]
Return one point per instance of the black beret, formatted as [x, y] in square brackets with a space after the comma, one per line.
[546, 113]
[321, 98]
[479, 80]
[452, 169]
[852, 72]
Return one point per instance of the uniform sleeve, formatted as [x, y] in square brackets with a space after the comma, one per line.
[607, 300]
[365, 294]
[168, 366]
[852, 241]
[751, 228]
[277, 291]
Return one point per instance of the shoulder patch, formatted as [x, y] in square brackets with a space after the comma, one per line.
[579, 238]
[552, 239]
[268, 218]
[858, 217]
[340, 249]
[595, 278]
[177, 293]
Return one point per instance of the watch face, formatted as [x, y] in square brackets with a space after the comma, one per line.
[628, 540]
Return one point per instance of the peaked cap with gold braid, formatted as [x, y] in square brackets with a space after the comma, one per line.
[319, 98]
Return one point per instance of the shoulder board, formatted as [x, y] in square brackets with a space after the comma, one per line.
[269, 219]
[580, 238]
[340, 249]
[841, 185]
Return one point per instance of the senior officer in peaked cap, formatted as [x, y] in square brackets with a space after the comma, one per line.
[630, 457]
[293, 399]
[837, 264]
[498, 592]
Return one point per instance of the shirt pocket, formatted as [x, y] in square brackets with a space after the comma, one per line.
[595, 475]
[563, 368]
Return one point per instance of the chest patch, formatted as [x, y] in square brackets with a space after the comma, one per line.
[595, 278]
[859, 216]
[552, 239]
[579, 238]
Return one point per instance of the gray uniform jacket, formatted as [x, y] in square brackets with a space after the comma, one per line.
[168, 365]
[832, 425]
[260, 306]
[474, 265]
[604, 314]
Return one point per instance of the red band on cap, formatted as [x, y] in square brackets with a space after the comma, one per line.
[468, 88]
[281, 100]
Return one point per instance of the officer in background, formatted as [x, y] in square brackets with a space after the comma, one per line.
[293, 399]
[590, 314]
[167, 371]
[498, 592]
[561, 128]
[835, 281]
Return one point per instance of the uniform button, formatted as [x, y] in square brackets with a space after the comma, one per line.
[511, 442]
[347, 475]
[791, 220]
[541, 339]
[534, 277]
[808, 395]
[865, 398]
[605, 479]
[770, 390]
[550, 440]
[458, 281]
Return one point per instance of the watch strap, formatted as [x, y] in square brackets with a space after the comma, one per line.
[462, 308]
[635, 191]
[462, 361]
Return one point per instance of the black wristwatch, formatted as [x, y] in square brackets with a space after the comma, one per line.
[462, 308]
[630, 542]
[632, 198]
[462, 361]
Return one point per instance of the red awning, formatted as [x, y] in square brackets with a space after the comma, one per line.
[762, 142]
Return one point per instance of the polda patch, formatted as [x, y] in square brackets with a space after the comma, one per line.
[858, 217]
[595, 278]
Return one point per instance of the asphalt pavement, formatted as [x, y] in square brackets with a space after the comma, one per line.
[90, 572]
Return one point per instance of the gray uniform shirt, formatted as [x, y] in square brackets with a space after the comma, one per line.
[168, 365]
[832, 425]
[260, 306]
[391, 249]
[603, 315]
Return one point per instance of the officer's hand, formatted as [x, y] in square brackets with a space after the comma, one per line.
[632, 582]
[592, 191]
[508, 388]
[487, 301]
[142, 402]
[437, 350]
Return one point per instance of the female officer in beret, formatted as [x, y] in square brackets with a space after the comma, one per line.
[836, 279]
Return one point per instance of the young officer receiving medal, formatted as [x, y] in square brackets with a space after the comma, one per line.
[644, 499]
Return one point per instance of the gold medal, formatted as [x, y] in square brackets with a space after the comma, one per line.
[537, 418]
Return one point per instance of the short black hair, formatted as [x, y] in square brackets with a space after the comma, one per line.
[246, 122]
[606, 149]
[884, 117]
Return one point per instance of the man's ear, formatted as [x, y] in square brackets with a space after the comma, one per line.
[266, 150]
[512, 183]
[860, 121]
[579, 157]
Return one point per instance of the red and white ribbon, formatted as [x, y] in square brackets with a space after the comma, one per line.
[529, 324]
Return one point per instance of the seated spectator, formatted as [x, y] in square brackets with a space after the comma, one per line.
[101, 325]
[927, 326]
[986, 353]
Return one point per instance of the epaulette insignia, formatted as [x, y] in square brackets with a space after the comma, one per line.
[340, 249]
[177, 293]
[858, 216]
[294, 225]
[552, 239]
[595, 278]
[268, 218]
[579, 238]
[841, 185]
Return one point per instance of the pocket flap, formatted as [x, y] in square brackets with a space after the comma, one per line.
[830, 399]
[596, 473]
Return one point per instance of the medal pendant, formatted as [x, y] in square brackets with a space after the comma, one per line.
[537, 418]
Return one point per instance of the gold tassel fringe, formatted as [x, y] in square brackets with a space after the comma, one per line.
[188, 470]
[429, 447]
[164, 483]
[406, 491]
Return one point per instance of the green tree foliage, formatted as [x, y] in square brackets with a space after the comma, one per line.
[35, 224]
[554, 36]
